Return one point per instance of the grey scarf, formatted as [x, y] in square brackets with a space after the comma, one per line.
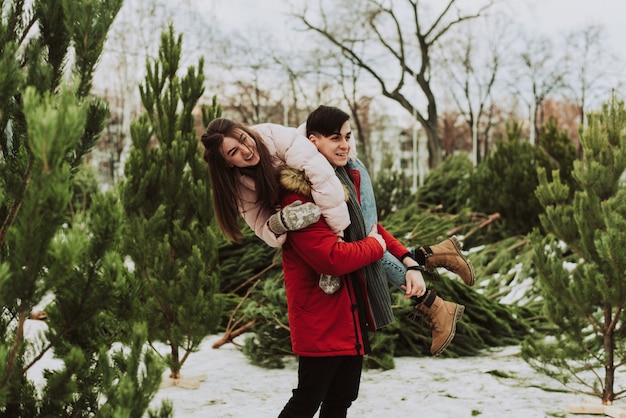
[377, 288]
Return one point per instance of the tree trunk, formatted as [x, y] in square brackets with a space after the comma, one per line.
[608, 394]
[434, 145]
[175, 362]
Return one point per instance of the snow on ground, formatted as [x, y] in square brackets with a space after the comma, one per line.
[495, 385]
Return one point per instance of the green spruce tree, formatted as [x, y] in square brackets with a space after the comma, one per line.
[447, 185]
[585, 298]
[166, 196]
[505, 183]
[50, 247]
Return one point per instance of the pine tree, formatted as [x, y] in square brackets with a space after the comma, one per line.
[447, 185]
[51, 247]
[166, 196]
[559, 147]
[585, 297]
[511, 175]
[392, 189]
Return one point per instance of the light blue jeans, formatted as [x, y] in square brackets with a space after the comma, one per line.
[393, 268]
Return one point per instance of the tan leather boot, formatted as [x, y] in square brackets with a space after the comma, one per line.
[447, 254]
[442, 317]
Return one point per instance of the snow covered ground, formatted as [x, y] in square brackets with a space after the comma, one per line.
[417, 387]
[495, 385]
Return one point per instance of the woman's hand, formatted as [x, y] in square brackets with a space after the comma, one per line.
[293, 217]
[415, 285]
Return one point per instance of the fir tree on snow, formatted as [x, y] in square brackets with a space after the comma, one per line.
[51, 247]
[581, 264]
[166, 196]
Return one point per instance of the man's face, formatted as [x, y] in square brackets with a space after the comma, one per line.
[335, 147]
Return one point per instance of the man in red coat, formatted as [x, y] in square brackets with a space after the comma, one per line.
[328, 331]
[328, 324]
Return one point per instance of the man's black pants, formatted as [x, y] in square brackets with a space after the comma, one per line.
[332, 382]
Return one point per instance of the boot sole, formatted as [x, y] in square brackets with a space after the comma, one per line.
[458, 313]
[457, 245]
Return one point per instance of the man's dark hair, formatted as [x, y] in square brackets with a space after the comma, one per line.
[325, 120]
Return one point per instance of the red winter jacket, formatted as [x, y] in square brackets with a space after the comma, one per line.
[321, 324]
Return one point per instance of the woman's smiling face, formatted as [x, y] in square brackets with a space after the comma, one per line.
[240, 151]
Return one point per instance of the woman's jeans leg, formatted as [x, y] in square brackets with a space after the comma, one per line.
[366, 193]
[393, 268]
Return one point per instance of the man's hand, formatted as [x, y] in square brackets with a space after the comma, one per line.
[374, 233]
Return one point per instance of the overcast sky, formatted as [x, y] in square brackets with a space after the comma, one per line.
[567, 15]
[544, 16]
[553, 18]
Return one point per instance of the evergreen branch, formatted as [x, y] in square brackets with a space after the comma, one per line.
[151, 344]
[148, 278]
[182, 361]
[8, 221]
[19, 336]
[281, 325]
[592, 354]
[73, 325]
[613, 324]
[61, 335]
[31, 22]
[490, 219]
[230, 335]
[251, 279]
[567, 372]
[583, 382]
[595, 324]
[51, 343]
[40, 355]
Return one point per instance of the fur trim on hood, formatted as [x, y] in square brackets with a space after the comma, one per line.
[295, 181]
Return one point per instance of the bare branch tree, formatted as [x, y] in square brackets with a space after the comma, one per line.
[134, 37]
[374, 40]
[591, 64]
[542, 72]
[253, 79]
[473, 61]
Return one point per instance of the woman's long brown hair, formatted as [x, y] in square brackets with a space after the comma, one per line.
[224, 182]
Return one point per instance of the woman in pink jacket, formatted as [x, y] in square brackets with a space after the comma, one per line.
[243, 165]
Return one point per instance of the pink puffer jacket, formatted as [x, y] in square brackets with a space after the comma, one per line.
[290, 148]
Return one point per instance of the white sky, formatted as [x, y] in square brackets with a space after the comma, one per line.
[541, 17]
[545, 16]
[554, 16]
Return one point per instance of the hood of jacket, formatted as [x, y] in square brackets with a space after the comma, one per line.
[295, 181]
